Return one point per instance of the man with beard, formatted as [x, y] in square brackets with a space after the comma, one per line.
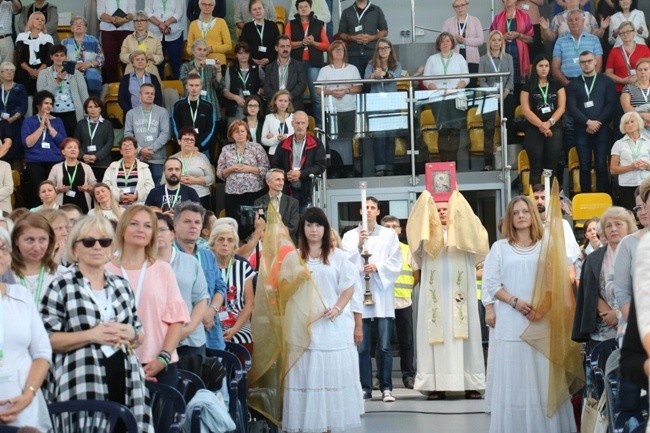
[572, 247]
[285, 74]
[166, 196]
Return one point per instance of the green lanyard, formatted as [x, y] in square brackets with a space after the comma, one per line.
[164, 6]
[509, 24]
[143, 117]
[445, 65]
[127, 174]
[241, 77]
[74, 173]
[186, 163]
[193, 113]
[635, 153]
[172, 204]
[77, 49]
[92, 132]
[5, 98]
[260, 32]
[576, 46]
[590, 87]
[228, 272]
[544, 93]
[39, 285]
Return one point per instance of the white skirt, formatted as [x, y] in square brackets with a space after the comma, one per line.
[322, 392]
[519, 392]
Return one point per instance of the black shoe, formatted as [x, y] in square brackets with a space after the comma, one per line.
[409, 382]
[367, 395]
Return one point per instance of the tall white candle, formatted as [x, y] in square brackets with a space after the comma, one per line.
[547, 189]
[364, 215]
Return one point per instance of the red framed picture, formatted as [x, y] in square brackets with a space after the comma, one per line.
[441, 180]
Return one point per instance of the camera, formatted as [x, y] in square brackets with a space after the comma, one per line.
[247, 215]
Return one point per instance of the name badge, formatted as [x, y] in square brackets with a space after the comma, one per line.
[546, 110]
[525, 6]
[148, 138]
[576, 60]
[127, 190]
[64, 97]
[261, 49]
[633, 72]
[92, 148]
[358, 28]
[5, 115]
[45, 145]
[461, 46]
[223, 315]
[71, 194]
[196, 130]
[246, 92]
[589, 104]
[204, 93]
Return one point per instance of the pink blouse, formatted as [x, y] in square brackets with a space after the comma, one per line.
[160, 305]
[473, 36]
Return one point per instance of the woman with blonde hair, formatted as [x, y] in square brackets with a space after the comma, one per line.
[90, 315]
[32, 256]
[105, 204]
[214, 31]
[60, 223]
[630, 159]
[158, 299]
[32, 51]
[596, 316]
[278, 122]
[519, 401]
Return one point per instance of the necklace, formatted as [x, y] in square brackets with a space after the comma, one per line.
[523, 247]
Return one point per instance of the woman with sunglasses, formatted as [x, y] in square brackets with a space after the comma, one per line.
[90, 315]
[32, 256]
[159, 303]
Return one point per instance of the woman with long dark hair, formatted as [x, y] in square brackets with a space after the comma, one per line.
[317, 385]
[543, 102]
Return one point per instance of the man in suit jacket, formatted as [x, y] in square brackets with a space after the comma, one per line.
[285, 73]
[286, 206]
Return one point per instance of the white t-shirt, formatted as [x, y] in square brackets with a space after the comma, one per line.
[347, 72]
[628, 152]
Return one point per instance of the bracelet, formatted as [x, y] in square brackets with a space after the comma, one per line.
[514, 304]
[337, 307]
[31, 388]
[166, 356]
[163, 361]
[135, 335]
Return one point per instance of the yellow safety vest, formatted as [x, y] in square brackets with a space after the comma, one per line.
[405, 281]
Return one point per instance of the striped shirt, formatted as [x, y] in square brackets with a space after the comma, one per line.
[127, 177]
[638, 96]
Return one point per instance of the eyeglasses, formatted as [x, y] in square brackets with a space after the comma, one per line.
[584, 62]
[460, 5]
[139, 21]
[188, 139]
[638, 209]
[90, 242]
[127, 146]
[626, 32]
[253, 105]
[4, 249]
[383, 48]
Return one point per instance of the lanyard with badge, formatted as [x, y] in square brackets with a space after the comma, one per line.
[244, 80]
[169, 199]
[628, 64]
[496, 68]
[77, 50]
[193, 113]
[44, 144]
[589, 103]
[71, 178]
[5, 100]
[138, 290]
[576, 48]
[36, 290]
[545, 108]
[636, 153]
[260, 32]
[91, 133]
[645, 94]
[461, 31]
[127, 189]
[359, 27]
[106, 313]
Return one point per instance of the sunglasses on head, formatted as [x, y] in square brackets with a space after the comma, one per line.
[90, 242]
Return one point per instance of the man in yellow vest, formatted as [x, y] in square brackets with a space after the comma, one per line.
[404, 284]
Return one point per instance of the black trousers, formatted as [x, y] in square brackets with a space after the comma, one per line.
[404, 328]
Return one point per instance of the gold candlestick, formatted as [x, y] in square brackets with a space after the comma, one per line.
[367, 295]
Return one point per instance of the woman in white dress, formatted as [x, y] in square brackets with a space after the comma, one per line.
[321, 391]
[520, 374]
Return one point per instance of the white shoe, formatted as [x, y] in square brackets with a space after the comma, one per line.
[387, 397]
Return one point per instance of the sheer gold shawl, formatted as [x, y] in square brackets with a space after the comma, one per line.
[287, 302]
[554, 305]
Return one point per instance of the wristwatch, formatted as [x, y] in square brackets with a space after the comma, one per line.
[215, 308]
[551, 121]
